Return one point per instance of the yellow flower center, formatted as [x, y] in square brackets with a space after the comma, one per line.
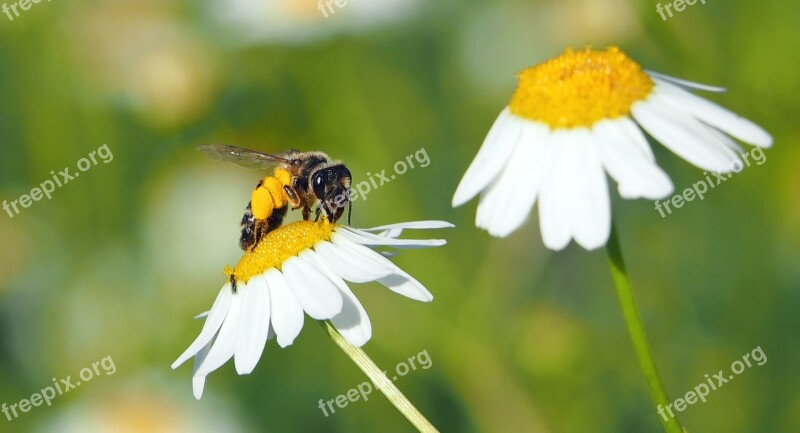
[579, 88]
[278, 245]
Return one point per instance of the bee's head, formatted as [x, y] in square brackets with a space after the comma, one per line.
[331, 185]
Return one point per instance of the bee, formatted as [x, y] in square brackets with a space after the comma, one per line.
[298, 180]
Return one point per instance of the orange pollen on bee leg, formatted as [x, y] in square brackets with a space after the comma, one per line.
[279, 245]
[580, 88]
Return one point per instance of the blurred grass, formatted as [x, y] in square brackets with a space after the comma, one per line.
[521, 339]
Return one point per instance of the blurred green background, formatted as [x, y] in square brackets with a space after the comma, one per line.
[520, 338]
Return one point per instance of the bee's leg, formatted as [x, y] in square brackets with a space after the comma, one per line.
[260, 231]
[349, 211]
[319, 209]
[292, 196]
[306, 213]
[325, 205]
[276, 219]
[337, 214]
[247, 239]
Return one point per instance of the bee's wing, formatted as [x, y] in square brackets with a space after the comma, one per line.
[241, 156]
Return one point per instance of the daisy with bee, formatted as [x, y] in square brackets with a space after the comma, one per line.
[302, 268]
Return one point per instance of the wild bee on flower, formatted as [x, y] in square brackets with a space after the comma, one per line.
[299, 179]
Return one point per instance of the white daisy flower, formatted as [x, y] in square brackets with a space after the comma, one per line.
[573, 119]
[295, 269]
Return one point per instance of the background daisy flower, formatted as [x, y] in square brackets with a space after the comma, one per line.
[573, 119]
[296, 269]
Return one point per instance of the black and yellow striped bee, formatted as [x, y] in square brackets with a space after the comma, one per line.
[299, 179]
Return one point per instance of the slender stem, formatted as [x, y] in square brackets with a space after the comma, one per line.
[633, 320]
[380, 380]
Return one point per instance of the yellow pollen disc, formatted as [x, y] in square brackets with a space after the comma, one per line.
[579, 88]
[278, 245]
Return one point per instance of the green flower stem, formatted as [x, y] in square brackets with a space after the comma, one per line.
[633, 320]
[380, 380]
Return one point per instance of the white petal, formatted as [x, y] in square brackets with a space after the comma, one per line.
[553, 217]
[629, 192]
[198, 382]
[432, 224]
[212, 324]
[726, 139]
[715, 115]
[394, 278]
[391, 233]
[365, 256]
[627, 165]
[352, 322]
[683, 134]
[316, 294]
[508, 201]
[388, 254]
[286, 313]
[359, 264]
[587, 191]
[404, 284]
[254, 325]
[365, 238]
[349, 263]
[225, 344]
[633, 133]
[685, 83]
[491, 157]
